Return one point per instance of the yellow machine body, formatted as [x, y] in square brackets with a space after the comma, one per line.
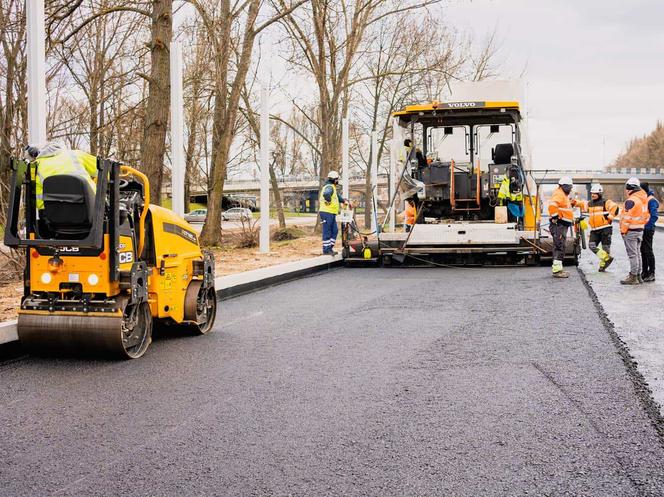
[176, 248]
[147, 266]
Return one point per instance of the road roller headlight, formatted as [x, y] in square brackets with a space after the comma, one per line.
[93, 279]
[46, 278]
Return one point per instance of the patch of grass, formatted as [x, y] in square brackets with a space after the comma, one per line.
[288, 233]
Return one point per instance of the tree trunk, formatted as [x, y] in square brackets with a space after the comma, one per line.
[153, 145]
[277, 197]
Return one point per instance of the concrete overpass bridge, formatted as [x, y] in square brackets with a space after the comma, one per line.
[302, 191]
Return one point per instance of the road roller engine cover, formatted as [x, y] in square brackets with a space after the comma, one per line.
[102, 264]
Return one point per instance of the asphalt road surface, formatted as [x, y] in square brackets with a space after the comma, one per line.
[386, 382]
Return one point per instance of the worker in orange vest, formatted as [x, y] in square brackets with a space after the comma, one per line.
[410, 214]
[561, 218]
[601, 213]
[633, 218]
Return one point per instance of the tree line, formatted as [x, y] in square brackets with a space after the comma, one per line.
[109, 89]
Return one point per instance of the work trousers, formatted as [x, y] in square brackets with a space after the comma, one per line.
[559, 234]
[330, 231]
[647, 254]
[601, 237]
[632, 241]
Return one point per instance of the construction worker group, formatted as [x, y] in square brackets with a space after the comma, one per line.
[638, 217]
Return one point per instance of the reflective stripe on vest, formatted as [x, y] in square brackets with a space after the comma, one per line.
[331, 207]
[597, 218]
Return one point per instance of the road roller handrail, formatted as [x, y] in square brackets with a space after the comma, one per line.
[130, 171]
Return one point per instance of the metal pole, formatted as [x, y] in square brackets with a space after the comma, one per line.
[36, 53]
[265, 171]
[345, 179]
[374, 178]
[177, 130]
[393, 169]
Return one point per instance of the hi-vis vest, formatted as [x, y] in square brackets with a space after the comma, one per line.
[410, 214]
[74, 162]
[602, 214]
[637, 216]
[560, 205]
[505, 193]
[331, 207]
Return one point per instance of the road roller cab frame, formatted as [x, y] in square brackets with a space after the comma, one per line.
[102, 266]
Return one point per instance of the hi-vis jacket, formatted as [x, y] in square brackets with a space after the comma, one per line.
[329, 199]
[505, 193]
[410, 214]
[601, 213]
[635, 215]
[560, 207]
[54, 159]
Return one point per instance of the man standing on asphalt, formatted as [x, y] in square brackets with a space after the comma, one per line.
[601, 213]
[561, 218]
[330, 201]
[647, 254]
[632, 220]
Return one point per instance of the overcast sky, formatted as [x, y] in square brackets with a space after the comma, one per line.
[594, 70]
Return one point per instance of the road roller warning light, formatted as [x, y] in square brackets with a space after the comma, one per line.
[102, 264]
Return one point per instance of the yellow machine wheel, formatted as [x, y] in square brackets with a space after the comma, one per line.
[200, 307]
[136, 330]
[127, 336]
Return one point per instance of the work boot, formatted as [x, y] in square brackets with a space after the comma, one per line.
[631, 279]
[647, 278]
[608, 262]
[560, 274]
[602, 267]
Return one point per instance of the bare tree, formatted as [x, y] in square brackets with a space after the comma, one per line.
[232, 31]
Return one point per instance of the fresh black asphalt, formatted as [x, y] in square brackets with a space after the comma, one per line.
[385, 382]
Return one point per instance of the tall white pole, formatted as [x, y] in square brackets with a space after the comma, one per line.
[265, 171]
[374, 178]
[36, 53]
[177, 130]
[345, 152]
[393, 176]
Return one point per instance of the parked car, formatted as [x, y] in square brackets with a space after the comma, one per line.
[196, 216]
[236, 214]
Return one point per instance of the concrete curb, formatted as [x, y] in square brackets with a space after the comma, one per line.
[250, 281]
[234, 285]
[8, 332]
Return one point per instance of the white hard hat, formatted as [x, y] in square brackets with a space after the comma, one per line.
[333, 175]
[596, 188]
[566, 180]
[633, 182]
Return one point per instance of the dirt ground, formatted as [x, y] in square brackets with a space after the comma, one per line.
[229, 259]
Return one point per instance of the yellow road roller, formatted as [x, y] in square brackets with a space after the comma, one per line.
[102, 264]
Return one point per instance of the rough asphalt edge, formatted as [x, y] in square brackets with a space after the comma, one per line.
[641, 388]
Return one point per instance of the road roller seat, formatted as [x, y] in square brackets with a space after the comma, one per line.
[503, 153]
[69, 204]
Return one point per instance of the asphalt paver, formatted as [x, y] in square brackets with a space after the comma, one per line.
[403, 382]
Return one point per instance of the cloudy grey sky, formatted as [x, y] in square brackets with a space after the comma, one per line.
[594, 70]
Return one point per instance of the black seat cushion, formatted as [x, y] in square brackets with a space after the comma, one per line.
[503, 153]
[68, 204]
